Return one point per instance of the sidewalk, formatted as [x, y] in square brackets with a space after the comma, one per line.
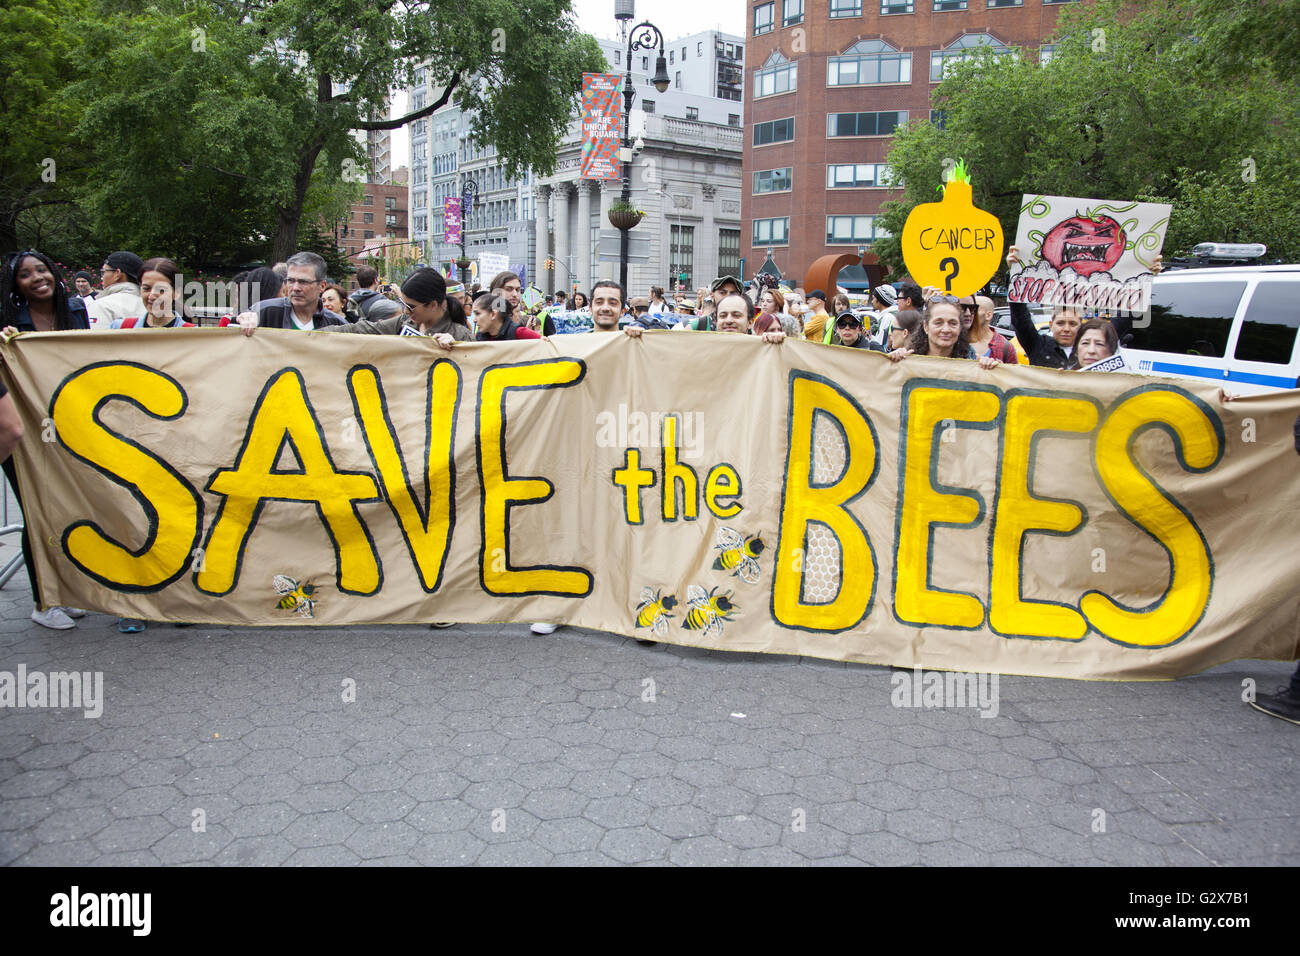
[486, 744]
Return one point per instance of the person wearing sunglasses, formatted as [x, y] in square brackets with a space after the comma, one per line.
[849, 329]
[941, 334]
[984, 339]
[120, 297]
[34, 299]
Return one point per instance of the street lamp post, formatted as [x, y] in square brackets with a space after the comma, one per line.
[468, 193]
[644, 36]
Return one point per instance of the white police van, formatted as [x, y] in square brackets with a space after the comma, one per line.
[1236, 326]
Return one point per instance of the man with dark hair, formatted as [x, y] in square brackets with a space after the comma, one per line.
[120, 297]
[909, 296]
[85, 284]
[301, 308]
[369, 302]
[722, 287]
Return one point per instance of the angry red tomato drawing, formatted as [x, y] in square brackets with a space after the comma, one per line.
[1086, 245]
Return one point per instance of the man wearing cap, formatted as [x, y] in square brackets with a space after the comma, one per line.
[120, 298]
[370, 303]
[814, 323]
[722, 287]
[849, 328]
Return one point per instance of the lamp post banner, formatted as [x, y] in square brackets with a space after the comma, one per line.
[925, 513]
[451, 220]
[602, 125]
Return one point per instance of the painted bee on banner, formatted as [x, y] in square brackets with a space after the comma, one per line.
[297, 597]
[653, 610]
[739, 555]
[706, 610]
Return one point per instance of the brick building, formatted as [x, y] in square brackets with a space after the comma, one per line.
[828, 82]
[378, 219]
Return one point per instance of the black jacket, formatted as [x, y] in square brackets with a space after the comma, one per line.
[278, 314]
[1042, 349]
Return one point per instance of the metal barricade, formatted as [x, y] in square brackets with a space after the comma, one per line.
[9, 526]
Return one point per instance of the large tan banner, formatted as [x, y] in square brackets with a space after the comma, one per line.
[703, 489]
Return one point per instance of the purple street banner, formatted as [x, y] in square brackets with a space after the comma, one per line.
[451, 220]
[925, 514]
[601, 125]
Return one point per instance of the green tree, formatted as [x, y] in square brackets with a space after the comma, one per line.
[516, 64]
[40, 159]
[1133, 103]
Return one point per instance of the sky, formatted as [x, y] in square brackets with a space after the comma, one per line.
[676, 18]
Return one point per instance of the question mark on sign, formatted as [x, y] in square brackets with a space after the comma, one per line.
[947, 284]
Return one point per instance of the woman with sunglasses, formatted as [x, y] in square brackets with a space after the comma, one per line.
[984, 339]
[942, 334]
[34, 299]
[427, 310]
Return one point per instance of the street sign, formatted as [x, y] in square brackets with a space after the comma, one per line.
[638, 247]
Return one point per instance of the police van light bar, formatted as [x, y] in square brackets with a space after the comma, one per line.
[1229, 250]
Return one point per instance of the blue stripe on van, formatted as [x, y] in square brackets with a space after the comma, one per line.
[1249, 378]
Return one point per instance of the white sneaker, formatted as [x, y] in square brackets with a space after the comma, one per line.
[73, 612]
[53, 618]
[542, 628]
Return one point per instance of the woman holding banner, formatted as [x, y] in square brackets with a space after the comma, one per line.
[34, 299]
[942, 334]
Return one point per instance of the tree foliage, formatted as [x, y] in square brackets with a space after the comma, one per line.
[212, 130]
[1138, 101]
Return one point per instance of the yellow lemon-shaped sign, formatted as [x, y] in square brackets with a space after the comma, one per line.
[952, 245]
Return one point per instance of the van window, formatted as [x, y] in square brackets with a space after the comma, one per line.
[1189, 318]
[1269, 329]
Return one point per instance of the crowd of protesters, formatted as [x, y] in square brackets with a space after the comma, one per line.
[902, 320]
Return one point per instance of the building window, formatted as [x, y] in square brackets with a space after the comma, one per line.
[842, 229]
[683, 54]
[763, 18]
[869, 62]
[618, 57]
[778, 75]
[864, 124]
[677, 80]
[1004, 3]
[699, 48]
[895, 6]
[369, 234]
[368, 217]
[729, 252]
[390, 202]
[846, 8]
[1045, 53]
[777, 131]
[368, 200]
[390, 220]
[692, 112]
[960, 49]
[648, 106]
[941, 6]
[733, 119]
[670, 56]
[1057, 1]
[773, 180]
[645, 64]
[792, 13]
[860, 176]
[939, 117]
[681, 255]
[772, 232]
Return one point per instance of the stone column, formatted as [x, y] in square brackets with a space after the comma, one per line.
[563, 245]
[706, 240]
[541, 276]
[582, 241]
